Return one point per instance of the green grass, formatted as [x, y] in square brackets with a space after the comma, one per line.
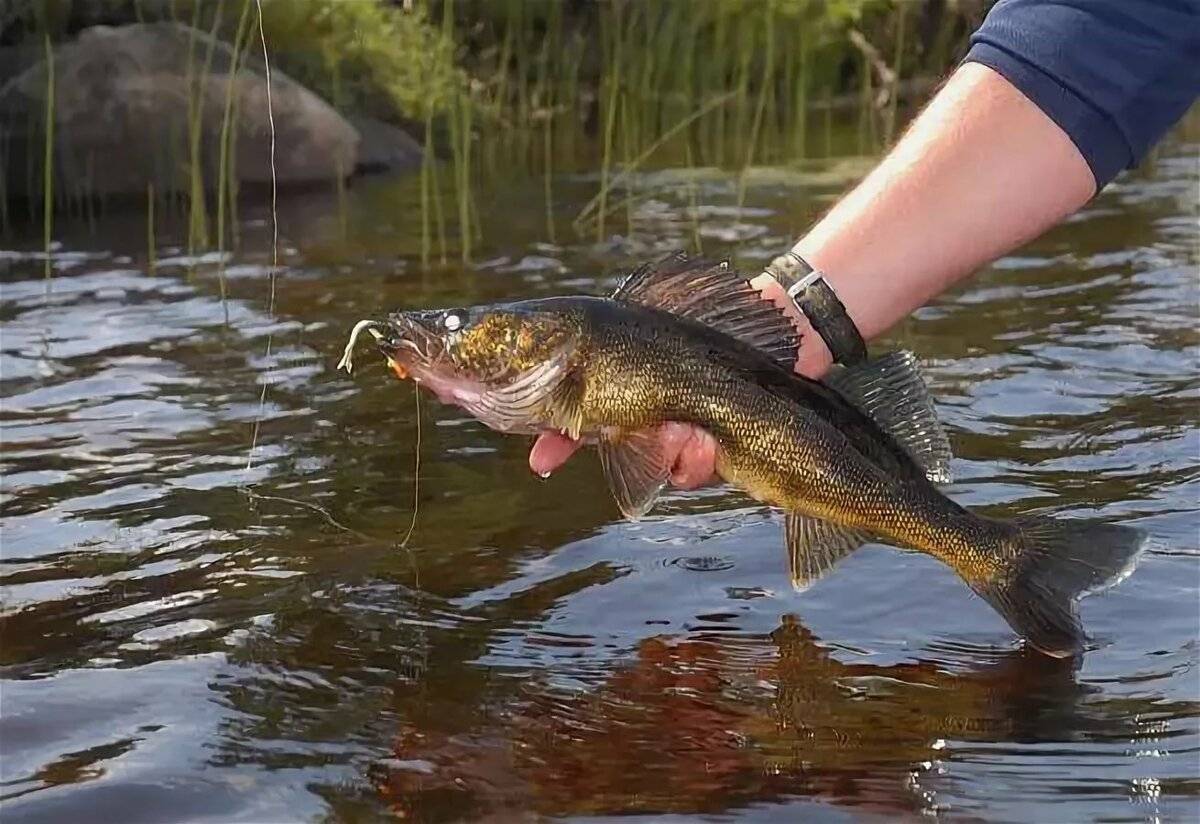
[524, 87]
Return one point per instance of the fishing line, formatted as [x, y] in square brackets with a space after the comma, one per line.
[418, 594]
[262, 398]
[320, 510]
[416, 473]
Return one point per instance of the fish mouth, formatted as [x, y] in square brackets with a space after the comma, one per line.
[414, 347]
[407, 339]
[404, 339]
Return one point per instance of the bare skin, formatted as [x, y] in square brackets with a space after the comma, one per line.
[981, 171]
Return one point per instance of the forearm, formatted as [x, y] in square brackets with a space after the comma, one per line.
[979, 172]
[1074, 92]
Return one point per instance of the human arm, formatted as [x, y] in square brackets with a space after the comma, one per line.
[1004, 151]
[955, 192]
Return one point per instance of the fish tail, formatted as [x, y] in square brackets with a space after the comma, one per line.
[1048, 566]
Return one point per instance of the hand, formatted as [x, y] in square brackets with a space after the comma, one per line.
[691, 451]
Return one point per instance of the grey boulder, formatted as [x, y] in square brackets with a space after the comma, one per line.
[135, 105]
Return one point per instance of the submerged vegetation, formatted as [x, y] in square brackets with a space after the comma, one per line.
[538, 86]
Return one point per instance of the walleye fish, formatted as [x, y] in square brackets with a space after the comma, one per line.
[850, 459]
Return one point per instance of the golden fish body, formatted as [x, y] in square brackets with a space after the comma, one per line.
[849, 460]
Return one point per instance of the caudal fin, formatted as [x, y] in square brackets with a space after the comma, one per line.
[1058, 562]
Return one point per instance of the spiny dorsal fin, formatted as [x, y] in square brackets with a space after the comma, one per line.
[635, 468]
[815, 546]
[715, 295]
[890, 390]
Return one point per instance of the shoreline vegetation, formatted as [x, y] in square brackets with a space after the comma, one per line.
[486, 87]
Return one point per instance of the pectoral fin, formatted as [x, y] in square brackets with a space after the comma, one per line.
[635, 468]
[815, 546]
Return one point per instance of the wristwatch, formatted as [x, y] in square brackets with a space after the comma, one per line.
[813, 296]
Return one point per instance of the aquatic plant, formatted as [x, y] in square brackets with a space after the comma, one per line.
[48, 158]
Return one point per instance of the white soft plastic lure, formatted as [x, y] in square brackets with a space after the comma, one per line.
[347, 361]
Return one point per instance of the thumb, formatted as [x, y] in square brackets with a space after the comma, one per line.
[550, 451]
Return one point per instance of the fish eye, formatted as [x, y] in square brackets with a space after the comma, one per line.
[453, 321]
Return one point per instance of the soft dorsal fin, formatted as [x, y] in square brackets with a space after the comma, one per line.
[890, 390]
[713, 294]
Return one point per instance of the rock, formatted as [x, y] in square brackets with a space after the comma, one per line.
[384, 147]
[121, 117]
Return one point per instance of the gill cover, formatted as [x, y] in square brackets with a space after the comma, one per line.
[519, 355]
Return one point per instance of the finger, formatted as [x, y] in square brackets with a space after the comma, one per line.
[814, 358]
[550, 451]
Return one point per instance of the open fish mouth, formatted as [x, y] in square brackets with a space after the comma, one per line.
[419, 346]
[413, 350]
[406, 343]
[389, 343]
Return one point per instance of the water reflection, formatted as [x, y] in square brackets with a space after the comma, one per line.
[714, 722]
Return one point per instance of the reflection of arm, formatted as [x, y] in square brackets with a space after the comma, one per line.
[1053, 101]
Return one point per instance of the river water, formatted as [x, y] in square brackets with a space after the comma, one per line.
[195, 632]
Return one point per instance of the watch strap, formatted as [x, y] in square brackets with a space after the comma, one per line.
[813, 296]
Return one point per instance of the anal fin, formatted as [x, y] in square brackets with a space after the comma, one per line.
[890, 390]
[815, 545]
[635, 468]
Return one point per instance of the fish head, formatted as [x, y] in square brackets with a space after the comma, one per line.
[500, 363]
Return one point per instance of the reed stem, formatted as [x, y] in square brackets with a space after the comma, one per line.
[223, 182]
[48, 157]
[151, 243]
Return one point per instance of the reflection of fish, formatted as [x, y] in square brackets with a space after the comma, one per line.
[850, 460]
[707, 723]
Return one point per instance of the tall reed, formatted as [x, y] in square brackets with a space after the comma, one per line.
[224, 169]
[197, 213]
[894, 100]
[48, 158]
[764, 88]
[612, 81]
[151, 242]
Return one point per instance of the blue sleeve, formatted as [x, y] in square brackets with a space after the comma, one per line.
[1113, 74]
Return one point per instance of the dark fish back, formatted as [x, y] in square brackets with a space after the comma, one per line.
[754, 366]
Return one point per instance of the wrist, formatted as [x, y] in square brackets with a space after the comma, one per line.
[806, 291]
[813, 358]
